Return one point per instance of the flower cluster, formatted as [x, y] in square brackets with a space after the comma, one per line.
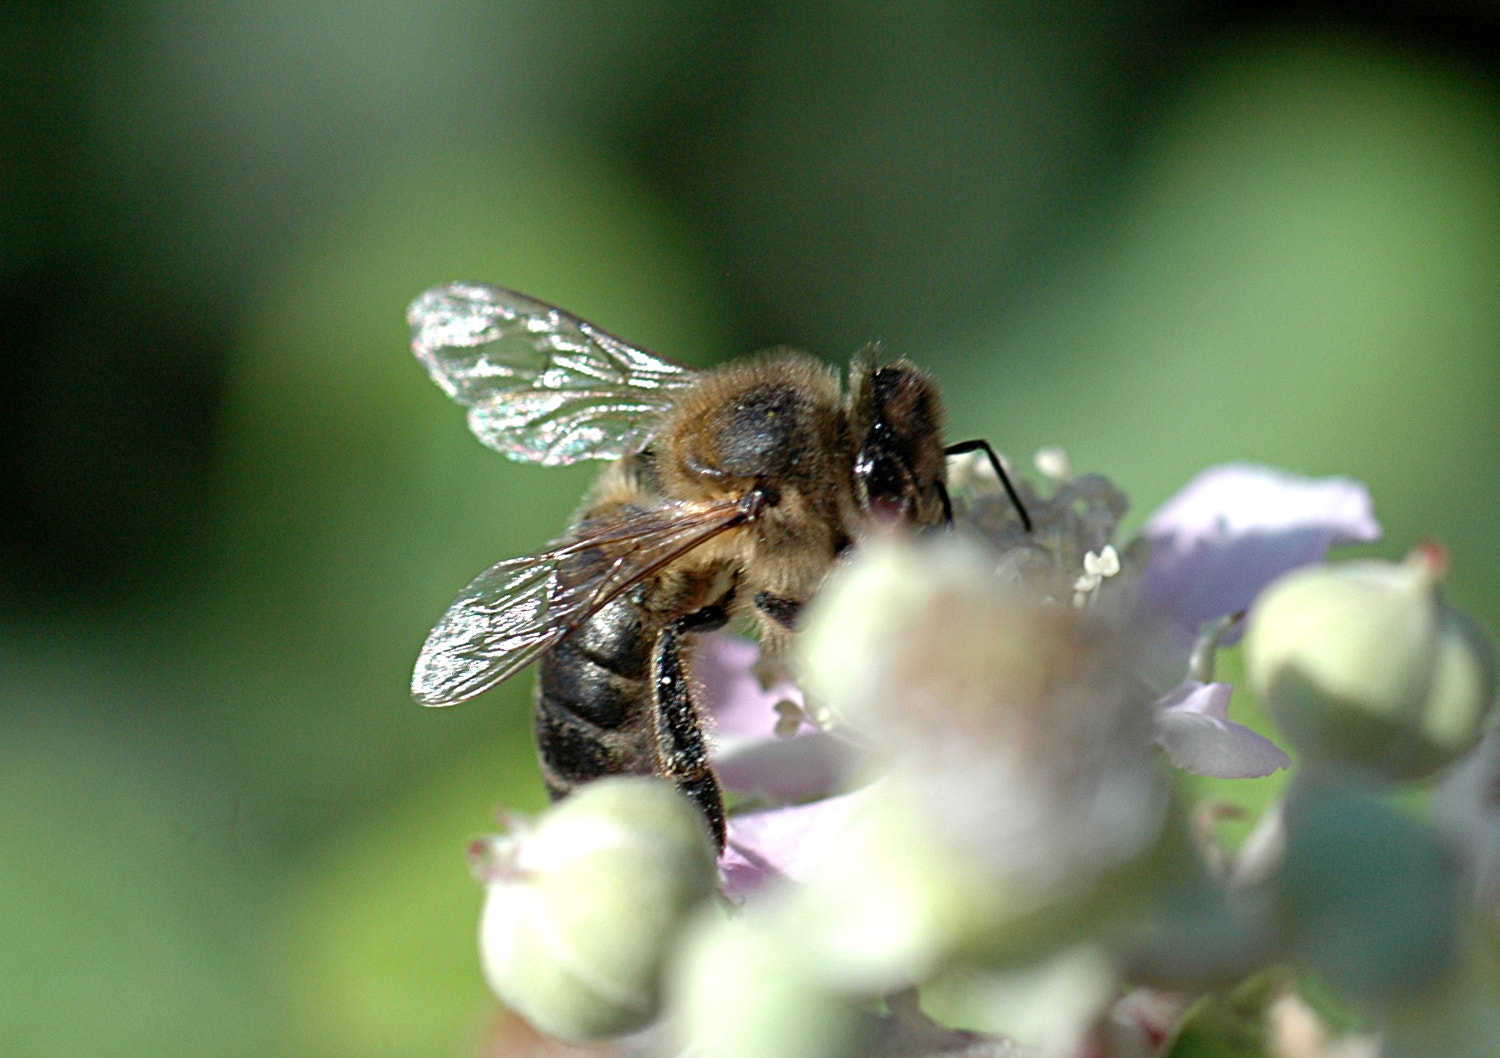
[959, 792]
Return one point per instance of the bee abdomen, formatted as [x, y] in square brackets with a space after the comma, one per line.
[572, 680]
[593, 701]
[574, 751]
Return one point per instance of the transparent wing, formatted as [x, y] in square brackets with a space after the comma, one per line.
[542, 386]
[517, 609]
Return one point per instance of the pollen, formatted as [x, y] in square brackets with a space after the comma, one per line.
[1097, 568]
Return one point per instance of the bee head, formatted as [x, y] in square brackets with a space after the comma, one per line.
[899, 467]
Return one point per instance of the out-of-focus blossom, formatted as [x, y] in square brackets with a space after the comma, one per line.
[741, 988]
[1015, 762]
[1467, 809]
[581, 906]
[1050, 1003]
[1193, 726]
[1363, 665]
[1235, 528]
[1015, 721]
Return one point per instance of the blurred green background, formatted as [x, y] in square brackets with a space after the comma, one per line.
[1160, 234]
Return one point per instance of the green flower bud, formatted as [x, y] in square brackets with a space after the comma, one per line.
[1363, 664]
[743, 988]
[581, 907]
[1021, 736]
[852, 625]
[1366, 897]
[891, 902]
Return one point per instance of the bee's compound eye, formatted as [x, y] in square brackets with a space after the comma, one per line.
[886, 487]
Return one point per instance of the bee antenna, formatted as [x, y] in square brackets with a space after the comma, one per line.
[981, 445]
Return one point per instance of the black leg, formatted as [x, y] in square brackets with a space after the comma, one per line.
[681, 749]
[980, 445]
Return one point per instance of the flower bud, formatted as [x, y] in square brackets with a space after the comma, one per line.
[1362, 664]
[1018, 748]
[743, 988]
[1018, 719]
[581, 907]
[1466, 810]
[891, 586]
[1366, 897]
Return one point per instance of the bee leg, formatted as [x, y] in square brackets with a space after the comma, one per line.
[681, 749]
[778, 608]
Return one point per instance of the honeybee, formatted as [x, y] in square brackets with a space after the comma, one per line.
[732, 490]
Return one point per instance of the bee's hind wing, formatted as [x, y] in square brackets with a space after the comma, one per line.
[518, 609]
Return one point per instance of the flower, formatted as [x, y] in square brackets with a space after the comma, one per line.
[765, 746]
[1235, 528]
[742, 989]
[581, 905]
[1013, 723]
[967, 780]
[1193, 726]
[1365, 666]
[1200, 561]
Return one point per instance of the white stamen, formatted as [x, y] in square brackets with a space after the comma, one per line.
[1052, 462]
[789, 717]
[1097, 568]
[1103, 565]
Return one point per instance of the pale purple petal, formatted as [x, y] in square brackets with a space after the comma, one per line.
[1193, 726]
[1235, 528]
[782, 843]
[785, 769]
[741, 708]
[753, 752]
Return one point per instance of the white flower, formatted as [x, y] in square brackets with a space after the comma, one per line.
[1199, 562]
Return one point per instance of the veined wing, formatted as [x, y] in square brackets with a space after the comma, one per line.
[517, 609]
[541, 385]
